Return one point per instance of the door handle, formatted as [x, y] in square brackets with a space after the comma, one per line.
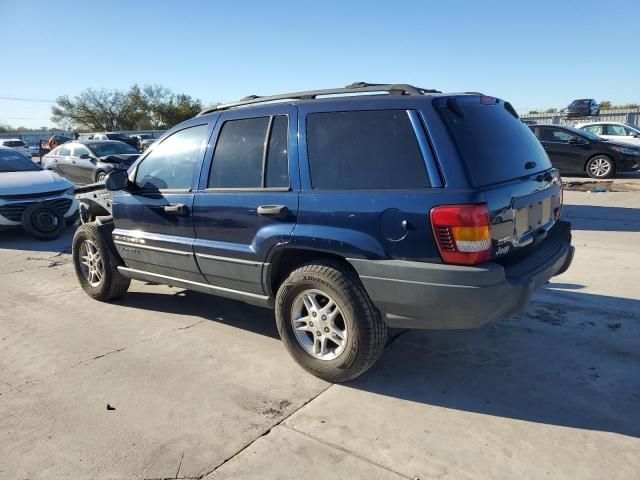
[272, 210]
[175, 209]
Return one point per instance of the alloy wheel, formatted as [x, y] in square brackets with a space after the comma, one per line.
[91, 265]
[319, 325]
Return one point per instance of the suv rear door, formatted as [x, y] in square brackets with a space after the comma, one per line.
[248, 195]
[154, 218]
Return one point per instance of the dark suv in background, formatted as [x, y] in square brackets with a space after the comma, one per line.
[585, 107]
[347, 214]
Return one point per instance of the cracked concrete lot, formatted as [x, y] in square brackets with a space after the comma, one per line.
[201, 387]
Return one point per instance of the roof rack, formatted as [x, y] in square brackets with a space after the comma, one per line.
[356, 87]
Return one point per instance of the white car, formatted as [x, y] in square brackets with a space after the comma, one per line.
[40, 201]
[17, 144]
[618, 131]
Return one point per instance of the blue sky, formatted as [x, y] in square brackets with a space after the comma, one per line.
[534, 53]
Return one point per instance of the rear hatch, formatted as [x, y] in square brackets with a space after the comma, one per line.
[505, 162]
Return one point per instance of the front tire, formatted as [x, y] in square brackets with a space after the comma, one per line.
[600, 167]
[328, 323]
[100, 176]
[96, 266]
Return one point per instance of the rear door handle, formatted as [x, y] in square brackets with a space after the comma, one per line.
[175, 209]
[272, 210]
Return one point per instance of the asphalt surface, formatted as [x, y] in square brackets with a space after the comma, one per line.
[201, 387]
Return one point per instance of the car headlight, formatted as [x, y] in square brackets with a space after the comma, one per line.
[70, 191]
[627, 151]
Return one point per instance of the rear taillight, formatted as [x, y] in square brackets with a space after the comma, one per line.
[462, 233]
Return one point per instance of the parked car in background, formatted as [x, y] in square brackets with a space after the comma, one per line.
[572, 151]
[139, 138]
[337, 212]
[121, 137]
[17, 144]
[40, 201]
[586, 107]
[617, 131]
[89, 161]
[146, 143]
[34, 149]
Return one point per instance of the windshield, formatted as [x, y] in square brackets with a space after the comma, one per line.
[115, 148]
[577, 103]
[13, 143]
[12, 161]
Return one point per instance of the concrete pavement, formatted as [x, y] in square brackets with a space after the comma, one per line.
[202, 387]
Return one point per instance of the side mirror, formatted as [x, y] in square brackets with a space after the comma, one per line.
[117, 180]
[85, 156]
[574, 140]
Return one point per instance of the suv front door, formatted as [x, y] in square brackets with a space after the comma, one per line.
[248, 196]
[154, 219]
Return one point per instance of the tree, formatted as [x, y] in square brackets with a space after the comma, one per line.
[605, 105]
[102, 109]
[551, 110]
[161, 107]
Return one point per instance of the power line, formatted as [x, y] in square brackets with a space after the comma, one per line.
[21, 99]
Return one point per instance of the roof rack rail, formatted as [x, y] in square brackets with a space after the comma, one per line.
[356, 87]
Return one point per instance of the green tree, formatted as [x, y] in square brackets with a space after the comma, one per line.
[551, 110]
[161, 107]
[605, 105]
[101, 109]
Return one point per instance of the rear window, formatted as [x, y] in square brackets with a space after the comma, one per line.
[364, 150]
[493, 143]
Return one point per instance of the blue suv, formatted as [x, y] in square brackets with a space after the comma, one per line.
[346, 210]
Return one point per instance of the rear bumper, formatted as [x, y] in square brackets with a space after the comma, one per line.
[437, 296]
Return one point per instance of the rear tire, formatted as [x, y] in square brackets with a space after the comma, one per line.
[100, 176]
[96, 266]
[340, 345]
[600, 167]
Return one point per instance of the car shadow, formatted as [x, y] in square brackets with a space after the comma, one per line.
[18, 239]
[208, 307]
[569, 366]
[598, 218]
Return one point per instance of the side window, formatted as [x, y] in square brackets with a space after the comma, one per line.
[240, 159]
[171, 164]
[595, 129]
[364, 149]
[79, 150]
[64, 151]
[617, 130]
[277, 163]
[554, 135]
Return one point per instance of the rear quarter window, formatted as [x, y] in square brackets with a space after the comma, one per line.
[494, 144]
[364, 150]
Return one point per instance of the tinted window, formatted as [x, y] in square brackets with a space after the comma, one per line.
[171, 164]
[555, 135]
[493, 143]
[239, 153]
[12, 161]
[13, 143]
[64, 151]
[594, 129]
[364, 149]
[277, 168]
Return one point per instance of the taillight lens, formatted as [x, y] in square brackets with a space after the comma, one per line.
[462, 233]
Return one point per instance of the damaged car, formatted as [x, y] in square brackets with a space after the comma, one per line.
[89, 161]
[39, 201]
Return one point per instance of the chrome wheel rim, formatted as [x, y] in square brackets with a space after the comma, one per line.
[319, 325]
[91, 265]
[600, 167]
